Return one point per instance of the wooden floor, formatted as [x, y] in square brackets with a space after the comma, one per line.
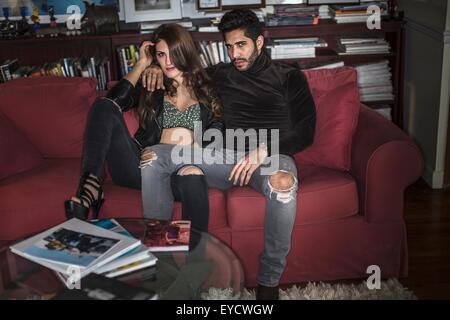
[427, 214]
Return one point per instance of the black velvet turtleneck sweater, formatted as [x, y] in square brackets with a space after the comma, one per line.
[269, 95]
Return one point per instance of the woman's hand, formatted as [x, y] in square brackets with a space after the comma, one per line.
[147, 156]
[145, 58]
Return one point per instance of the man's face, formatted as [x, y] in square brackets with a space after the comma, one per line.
[241, 49]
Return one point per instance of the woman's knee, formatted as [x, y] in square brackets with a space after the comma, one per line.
[190, 170]
[105, 106]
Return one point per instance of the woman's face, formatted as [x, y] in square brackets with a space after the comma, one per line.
[163, 58]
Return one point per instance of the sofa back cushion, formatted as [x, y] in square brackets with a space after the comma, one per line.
[336, 96]
[50, 111]
[17, 154]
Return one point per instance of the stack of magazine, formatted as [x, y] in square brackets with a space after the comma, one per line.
[79, 247]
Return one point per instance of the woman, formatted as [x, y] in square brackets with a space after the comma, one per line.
[165, 116]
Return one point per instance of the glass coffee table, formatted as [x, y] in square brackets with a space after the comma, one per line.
[209, 263]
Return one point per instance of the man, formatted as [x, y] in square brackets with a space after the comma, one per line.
[258, 93]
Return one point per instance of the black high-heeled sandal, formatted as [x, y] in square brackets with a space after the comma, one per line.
[79, 210]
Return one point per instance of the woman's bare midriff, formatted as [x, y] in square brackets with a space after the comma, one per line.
[177, 136]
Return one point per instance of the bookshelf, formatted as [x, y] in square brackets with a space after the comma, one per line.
[37, 51]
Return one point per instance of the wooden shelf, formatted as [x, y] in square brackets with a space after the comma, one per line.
[37, 51]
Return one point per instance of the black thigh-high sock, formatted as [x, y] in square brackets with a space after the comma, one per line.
[192, 191]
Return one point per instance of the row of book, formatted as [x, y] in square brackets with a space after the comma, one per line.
[295, 48]
[213, 52]
[102, 247]
[363, 45]
[128, 56]
[293, 15]
[356, 13]
[7, 70]
[99, 68]
[375, 81]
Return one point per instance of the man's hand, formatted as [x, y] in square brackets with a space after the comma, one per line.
[152, 78]
[147, 156]
[245, 167]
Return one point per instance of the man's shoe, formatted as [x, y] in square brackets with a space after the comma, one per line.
[267, 293]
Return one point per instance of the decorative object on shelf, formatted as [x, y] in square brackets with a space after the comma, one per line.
[35, 18]
[250, 4]
[51, 31]
[8, 28]
[152, 10]
[209, 5]
[51, 13]
[100, 19]
[23, 28]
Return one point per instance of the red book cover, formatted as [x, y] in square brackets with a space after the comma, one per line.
[161, 235]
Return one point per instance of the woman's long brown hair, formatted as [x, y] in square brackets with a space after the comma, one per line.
[184, 55]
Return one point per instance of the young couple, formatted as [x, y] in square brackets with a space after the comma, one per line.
[252, 92]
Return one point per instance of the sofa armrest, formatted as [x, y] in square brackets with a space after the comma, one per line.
[384, 162]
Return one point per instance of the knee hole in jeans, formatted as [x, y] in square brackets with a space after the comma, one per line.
[282, 181]
[190, 170]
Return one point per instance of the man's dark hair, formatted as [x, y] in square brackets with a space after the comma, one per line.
[241, 19]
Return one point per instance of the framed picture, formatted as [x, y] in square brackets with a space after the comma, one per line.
[189, 10]
[235, 4]
[60, 6]
[331, 1]
[152, 10]
[208, 5]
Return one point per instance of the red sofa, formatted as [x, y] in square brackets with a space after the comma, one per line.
[347, 219]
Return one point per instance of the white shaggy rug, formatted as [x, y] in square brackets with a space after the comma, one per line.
[390, 289]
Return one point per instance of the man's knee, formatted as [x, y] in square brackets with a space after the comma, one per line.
[190, 170]
[282, 181]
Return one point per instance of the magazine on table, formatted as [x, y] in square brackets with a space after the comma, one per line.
[133, 260]
[162, 235]
[75, 244]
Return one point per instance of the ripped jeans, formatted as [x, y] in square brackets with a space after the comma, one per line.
[280, 205]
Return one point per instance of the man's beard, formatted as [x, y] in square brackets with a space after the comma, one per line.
[250, 60]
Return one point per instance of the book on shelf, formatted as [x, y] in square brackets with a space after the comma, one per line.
[375, 81]
[300, 42]
[128, 56]
[365, 45]
[211, 28]
[75, 245]
[99, 68]
[7, 69]
[356, 13]
[97, 287]
[162, 235]
[274, 21]
[212, 52]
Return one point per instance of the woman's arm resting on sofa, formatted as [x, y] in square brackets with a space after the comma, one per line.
[384, 162]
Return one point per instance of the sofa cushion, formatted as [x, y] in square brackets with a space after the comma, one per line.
[50, 111]
[17, 154]
[246, 206]
[34, 200]
[336, 95]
